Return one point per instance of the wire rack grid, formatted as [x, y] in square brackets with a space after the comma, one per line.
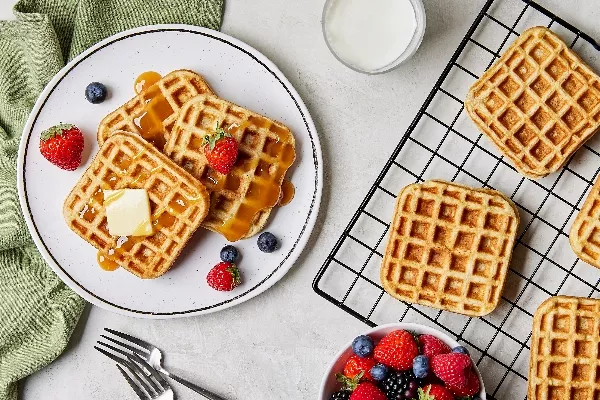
[443, 143]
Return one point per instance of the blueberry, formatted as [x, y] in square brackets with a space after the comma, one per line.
[95, 92]
[267, 242]
[379, 372]
[229, 253]
[461, 350]
[363, 346]
[421, 366]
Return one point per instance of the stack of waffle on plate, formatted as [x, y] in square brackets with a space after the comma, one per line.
[155, 142]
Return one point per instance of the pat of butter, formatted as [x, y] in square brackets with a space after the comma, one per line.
[128, 212]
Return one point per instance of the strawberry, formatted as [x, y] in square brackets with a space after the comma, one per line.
[471, 388]
[356, 364]
[435, 392]
[367, 391]
[62, 145]
[397, 350]
[221, 150]
[224, 277]
[452, 369]
[432, 346]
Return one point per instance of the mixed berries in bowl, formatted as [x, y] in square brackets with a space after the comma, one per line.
[403, 361]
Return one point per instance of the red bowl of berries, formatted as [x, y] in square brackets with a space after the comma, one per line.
[402, 361]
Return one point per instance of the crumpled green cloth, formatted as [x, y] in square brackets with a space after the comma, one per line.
[37, 311]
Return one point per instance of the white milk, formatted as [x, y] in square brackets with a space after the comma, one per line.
[370, 34]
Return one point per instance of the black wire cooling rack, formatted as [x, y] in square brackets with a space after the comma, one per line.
[443, 143]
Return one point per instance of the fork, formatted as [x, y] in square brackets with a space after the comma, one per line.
[151, 354]
[143, 385]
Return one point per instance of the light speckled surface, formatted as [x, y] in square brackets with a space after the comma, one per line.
[277, 345]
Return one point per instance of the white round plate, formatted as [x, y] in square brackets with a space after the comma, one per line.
[236, 72]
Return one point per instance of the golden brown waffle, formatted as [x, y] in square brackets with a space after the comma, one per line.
[564, 362]
[584, 236]
[178, 204]
[162, 101]
[538, 103]
[241, 201]
[450, 247]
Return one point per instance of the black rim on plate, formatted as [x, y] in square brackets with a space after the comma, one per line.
[254, 58]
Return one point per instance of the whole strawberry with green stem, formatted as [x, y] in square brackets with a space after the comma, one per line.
[62, 145]
[224, 277]
[435, 392]
[356, 365]
[221, 150]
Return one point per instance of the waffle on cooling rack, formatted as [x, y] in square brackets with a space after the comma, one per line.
[450, 247]
[538, 103]
[565, 341]
[178, 203]
[584, 236]
[241, 201]
[157, 105]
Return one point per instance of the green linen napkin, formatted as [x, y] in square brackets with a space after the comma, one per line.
[37, 311]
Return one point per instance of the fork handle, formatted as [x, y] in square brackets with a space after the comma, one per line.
[207, 394]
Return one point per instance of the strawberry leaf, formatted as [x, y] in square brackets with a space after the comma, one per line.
[425, 395]
[349, 383]
[56, 130]
[211, 140]
[235, 273]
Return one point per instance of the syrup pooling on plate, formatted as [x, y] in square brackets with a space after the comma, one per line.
[265, 189]
[287, 193]
[106, 263]
[156, 110]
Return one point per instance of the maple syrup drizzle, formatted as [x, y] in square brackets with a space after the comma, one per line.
[265, 191]
[156, 109]
[287, 193]
[106, 263]
[145, 80]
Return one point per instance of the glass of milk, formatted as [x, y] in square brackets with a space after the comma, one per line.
[373, 36]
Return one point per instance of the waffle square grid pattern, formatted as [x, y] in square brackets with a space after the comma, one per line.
[242, 200]
[450, 247]
[564, 360]
[178, 204]
[538, 103]
[176, 88]
[585, 232]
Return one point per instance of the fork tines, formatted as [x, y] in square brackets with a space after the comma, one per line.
[145, 386]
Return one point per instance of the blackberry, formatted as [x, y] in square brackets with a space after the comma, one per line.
[401, 385]
[341, 395]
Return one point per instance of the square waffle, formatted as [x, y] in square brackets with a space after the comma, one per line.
[565, 341]
[178, 204]
[160, 101]
[538, 103]
[450, 247]
[241, 201]
[584, 236]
